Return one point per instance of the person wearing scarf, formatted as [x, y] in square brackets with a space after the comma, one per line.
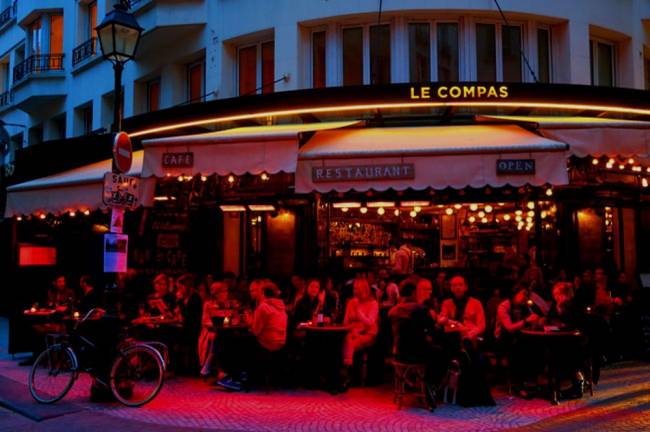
[462, 312]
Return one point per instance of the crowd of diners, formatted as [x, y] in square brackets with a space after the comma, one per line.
[476, 324]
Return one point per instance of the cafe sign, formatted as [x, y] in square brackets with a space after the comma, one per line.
[178, 160]
[515, 166]
[354, 173]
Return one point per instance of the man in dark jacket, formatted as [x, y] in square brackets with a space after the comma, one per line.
[413, 333]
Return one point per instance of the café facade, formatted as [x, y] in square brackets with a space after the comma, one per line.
[465, 174]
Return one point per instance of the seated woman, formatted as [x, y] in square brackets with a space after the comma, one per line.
[314, 301]
[513, 315]
[362, 315]
[162, 301]
[217, 305]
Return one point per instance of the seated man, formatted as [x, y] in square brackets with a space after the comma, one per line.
[413, 329]
[90, 298]
[462, 313]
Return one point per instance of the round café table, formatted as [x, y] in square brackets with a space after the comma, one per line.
[552, 342]
[324, 353]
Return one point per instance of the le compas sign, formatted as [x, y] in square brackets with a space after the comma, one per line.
[121, 190]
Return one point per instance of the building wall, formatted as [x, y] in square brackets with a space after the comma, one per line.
[180, 32]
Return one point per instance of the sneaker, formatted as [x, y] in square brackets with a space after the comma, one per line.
[230, 384]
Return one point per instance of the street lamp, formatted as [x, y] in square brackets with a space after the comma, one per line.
[119, 35]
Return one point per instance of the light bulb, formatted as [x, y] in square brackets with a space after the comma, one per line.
[595, 161]
[473, 207]
[363, 210]
[449, 211]
[471, 219]
[396, 212]
[265, 177]
[458, 206]
[549, 192]
[506, 217]
[345, 209]
[481, 214]
[381, 211]
[231, 179]
[417, 209]
[530, 205]
[488, 208]
[484, 220]
[413, 213]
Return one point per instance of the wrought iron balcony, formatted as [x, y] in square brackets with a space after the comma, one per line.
[85, 50]
[7, 14]
[6, 98]
[37, 64]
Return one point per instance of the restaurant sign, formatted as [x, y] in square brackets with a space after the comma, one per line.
[515, 166]
[178, 160]
[363, 173]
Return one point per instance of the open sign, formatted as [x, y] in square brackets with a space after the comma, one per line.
[121, 191]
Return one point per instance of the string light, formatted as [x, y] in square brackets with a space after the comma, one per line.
[264, 177]
[73, 214]
[363, 210]
[204, 178]
[488, 208]
[549, 192]
[396, 212]
[231, 179]
[180, 178]
[381, 211]
[449, 211]
[87, 212]
[595, 161]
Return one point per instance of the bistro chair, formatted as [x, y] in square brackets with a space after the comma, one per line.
[409, 379]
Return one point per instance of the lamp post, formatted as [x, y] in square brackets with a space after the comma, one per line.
[119, 35]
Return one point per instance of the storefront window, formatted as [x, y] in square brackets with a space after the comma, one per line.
[268, 67]
[419, 53]
[380, 54]
[353, 56]
[447, 51]
[247, 70]
[543, 56]
[511, 51]
[318, 59]
[486, 63]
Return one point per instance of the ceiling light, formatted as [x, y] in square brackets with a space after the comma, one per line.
[261, 207]
[348, 205]
[232, 208]
[378, 204]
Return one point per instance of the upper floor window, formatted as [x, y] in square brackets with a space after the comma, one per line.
[498, 52]
[318, 59]
[375, 40]
[153, 95]
[35, 30]
[56, 34]
[543, 55]
[602, 61]
[195, 81]
[446, 59]
[256, 68]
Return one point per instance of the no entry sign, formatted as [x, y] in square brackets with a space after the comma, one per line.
[122, 153]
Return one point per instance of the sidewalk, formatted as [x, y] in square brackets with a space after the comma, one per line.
[621, 403]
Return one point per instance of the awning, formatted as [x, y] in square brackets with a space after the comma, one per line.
[591, 136]
[74, 190]
[258, 149]
[428, 157]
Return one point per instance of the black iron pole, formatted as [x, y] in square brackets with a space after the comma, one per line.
[117, 108]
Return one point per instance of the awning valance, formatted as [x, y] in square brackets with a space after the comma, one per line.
[256, 149]
[428, 157]
[591, 136]
[73, 190]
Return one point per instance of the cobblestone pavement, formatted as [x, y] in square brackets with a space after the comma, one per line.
[621, 403]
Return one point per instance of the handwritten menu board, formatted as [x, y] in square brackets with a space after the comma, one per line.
[164, 242]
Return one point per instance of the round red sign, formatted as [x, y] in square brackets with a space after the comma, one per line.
[122, 152]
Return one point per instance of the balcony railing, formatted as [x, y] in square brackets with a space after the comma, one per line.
[7, 14]
[85, 50]
[6, 98]
[37, 64]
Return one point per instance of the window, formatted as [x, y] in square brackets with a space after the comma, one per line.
[91, 20]
[602, 63]
[268, 67]
[35, 36]
[247, 70]
[256, 68]
[380, 54]
[353, 56]
[647, 73]
[419, 52]
[511, 53]
[56, 34]
[318, 62]
[447, 35]
[543, 56]
[83, 120]
[153, 95]
[486, 65]
[195, 85]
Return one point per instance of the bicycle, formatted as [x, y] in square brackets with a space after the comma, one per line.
[135, 376]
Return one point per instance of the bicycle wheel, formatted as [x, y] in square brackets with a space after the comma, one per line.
[137, 375]
[53, 374]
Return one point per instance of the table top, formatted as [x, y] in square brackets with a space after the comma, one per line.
[327, 328]
[157, 320]
[39, 312]
[551, 333]
[232, 327]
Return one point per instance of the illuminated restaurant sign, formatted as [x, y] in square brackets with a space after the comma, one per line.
[515, 166]
[178, 160]
[363, 173]
[461, 91]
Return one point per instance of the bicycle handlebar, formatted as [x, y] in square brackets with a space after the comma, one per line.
[89, 314]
